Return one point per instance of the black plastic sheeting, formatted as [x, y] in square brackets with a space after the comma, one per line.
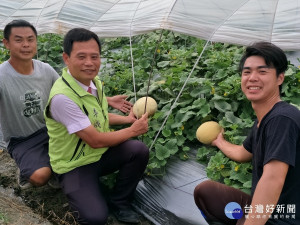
[169, 200]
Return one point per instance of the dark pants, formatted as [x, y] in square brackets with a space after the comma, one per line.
[30, 153]
[82, 186]
[211, 198]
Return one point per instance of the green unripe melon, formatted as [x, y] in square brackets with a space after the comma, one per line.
[208, 132]
[139, 107]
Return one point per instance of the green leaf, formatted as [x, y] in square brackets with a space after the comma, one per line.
[247, 184]
[172, 146]
[180, 140]
[186, 149]
[163, 64]
[230, 117]
[166, 133]
[144, 63]
[225, 172]
[289, 72]
[182, 117]
[222, 106]
[240, 177]
[202, 153]
[162, 152]
[204, 111]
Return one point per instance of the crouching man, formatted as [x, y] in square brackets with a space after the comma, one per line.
[81, 147]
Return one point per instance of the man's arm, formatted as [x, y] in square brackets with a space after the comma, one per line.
[268, 190]
[115, 119]
[77, 122]
[235, 152]
[97, 139]
[119, 102]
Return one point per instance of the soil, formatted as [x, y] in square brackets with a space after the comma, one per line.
[34, 206]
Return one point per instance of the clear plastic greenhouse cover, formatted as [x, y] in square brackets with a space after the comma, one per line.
[169, 199]
[230, 21]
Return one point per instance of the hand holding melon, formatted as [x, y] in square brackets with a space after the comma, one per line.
[139, 107]
[208, 132]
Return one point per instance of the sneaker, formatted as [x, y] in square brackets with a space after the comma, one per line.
[22, 181]
[54, 183]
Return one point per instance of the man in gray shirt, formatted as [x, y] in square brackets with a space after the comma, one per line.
[25, 84]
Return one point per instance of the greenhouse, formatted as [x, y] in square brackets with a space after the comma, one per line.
[182, 53]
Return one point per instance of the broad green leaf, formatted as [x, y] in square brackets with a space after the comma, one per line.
[144, 63]
[163, 64]
[166, 133]
[232, 118]
[204, 111]
[180, 140]
[247, 184]
[161, 151]
[222, 106]
[172, 146]
[186, 149]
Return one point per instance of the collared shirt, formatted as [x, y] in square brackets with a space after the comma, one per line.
[70, 114]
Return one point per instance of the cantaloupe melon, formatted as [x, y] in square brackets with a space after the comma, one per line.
[139, 107]
[208, 132]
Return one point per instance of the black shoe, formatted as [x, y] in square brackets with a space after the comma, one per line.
[53, 182]
[126, 215]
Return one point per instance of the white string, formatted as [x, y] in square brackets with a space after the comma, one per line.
[169, 112]
[131, 55]
[173, 105]
[132, 67]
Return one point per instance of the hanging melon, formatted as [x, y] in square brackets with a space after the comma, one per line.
[139, 107]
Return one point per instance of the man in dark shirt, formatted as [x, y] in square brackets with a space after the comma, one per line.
[273, 145]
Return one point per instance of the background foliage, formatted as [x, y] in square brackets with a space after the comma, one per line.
[212, 93]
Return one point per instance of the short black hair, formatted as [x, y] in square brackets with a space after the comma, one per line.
[273, 56]
[79, 35]
[17, 23]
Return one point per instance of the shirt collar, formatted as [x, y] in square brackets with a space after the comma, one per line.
[92, 85]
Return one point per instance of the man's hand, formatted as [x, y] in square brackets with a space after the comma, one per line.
[219, 138]
[235, 152]
[140, 126]
[119, 102]
[131, 117]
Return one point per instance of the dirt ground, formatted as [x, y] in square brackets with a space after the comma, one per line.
[36, 206]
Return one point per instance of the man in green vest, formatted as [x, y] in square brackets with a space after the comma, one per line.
[81, 147]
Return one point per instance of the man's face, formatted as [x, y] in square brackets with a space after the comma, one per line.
[22, 43]
[259, 82]
[84, 61]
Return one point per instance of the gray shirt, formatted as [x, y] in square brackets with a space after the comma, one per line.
[23, 99]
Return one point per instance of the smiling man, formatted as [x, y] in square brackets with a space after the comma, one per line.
[25, 85]
[273, 145]
[82, 148]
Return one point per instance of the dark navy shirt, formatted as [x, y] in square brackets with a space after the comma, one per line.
[278, 138]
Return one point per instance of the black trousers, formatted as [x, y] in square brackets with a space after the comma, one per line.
[211, 198]
[82, 186]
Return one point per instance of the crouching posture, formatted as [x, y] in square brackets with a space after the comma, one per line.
[81, 147]
[273, 145]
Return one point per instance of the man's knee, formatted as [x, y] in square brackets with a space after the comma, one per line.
[41, 176]
[204, 189]
[141, 150]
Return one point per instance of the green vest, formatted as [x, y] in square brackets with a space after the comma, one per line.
[68, 151]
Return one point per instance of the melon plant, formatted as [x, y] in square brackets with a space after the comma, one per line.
[208, 132]
[139, 107]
